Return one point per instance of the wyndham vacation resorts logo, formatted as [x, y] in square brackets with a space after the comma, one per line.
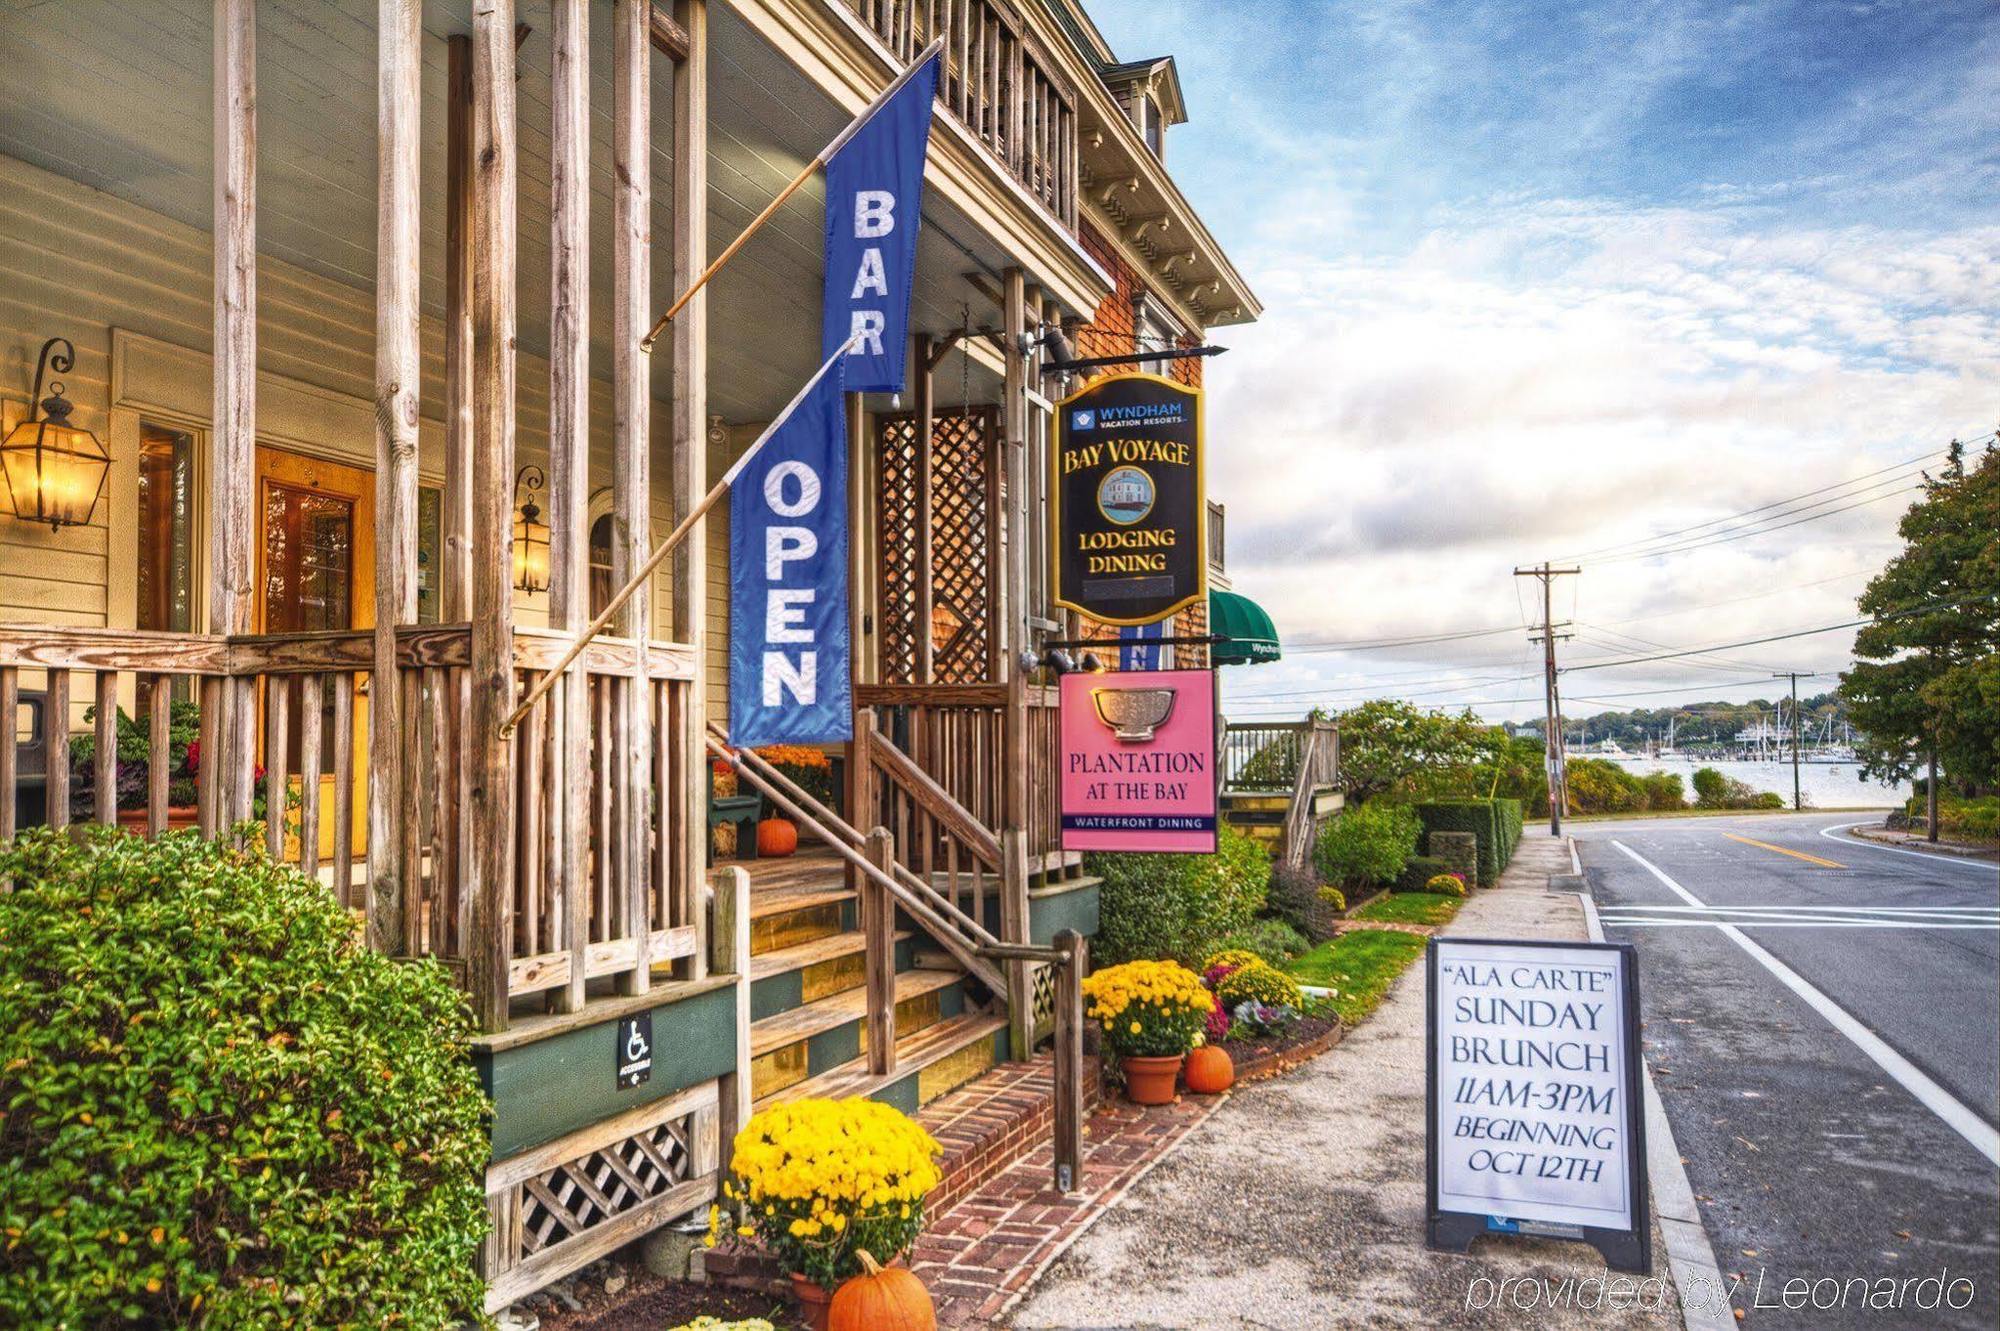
[1082, 419]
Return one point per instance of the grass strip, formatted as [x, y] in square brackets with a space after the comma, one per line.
[1360, 965]
[1410, 908]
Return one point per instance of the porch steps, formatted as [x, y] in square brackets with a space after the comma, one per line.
[800, 1024]
[925, 1055]
[813, 952]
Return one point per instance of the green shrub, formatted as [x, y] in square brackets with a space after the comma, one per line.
[1333, 897]
[1663, 790]
[1420, 870]
[1269, 940]
[1713, 790]
[1176, 906]
[1511, 825]
[217, 1107]
[1367, 846]
[1259, 983]
[1978, 819]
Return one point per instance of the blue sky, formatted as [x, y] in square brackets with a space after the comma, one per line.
[1546, 278]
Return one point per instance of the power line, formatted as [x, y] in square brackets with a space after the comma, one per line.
[1658, 537]
[1783, 637]
[1901, 489]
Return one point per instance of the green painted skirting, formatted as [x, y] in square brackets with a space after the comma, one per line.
[551, 1087]
[1050, 914]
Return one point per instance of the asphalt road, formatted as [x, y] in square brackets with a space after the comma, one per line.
[1811, 1157]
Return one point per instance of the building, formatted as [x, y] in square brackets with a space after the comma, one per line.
[355, 312]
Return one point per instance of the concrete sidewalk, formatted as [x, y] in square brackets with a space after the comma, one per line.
[1300, 1203]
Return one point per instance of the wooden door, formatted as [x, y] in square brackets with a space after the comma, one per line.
[316, 571]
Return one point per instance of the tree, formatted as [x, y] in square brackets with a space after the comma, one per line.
[1926, 686]
[1386, 745]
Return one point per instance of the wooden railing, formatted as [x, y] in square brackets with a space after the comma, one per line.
[1297, 758]
[959, 735]
[582, 905]
[998, 81]
[929, 816]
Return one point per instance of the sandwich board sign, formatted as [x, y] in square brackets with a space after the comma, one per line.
[1534, 1121]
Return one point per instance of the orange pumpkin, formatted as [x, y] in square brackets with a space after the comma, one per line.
[881, 1299]
[1209, 1071]
[776, 838]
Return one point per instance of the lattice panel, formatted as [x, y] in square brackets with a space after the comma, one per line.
[560, 1206]
[574, 1198]
[960, 619]
[1043, 1004]
[896, 547]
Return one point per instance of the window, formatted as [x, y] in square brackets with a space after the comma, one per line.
[1152, 126]
[166, 539]
[430, 553]
[600, 566]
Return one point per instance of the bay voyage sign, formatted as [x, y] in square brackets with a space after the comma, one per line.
[1130, 528]
[1138, 761]
[1533, 1084]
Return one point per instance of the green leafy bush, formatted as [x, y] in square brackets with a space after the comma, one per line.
[1259, 983]
[1269, 940]
[1978, 819]
[217, 1107]
[1713, 790]
[1333, 897]
[1178, 905]
[1367, 846]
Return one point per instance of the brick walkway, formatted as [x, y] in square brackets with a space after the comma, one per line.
[978, 1256]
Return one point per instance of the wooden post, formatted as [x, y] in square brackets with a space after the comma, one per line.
[1014, 929]
[878, 927]
[729, 954]
[926, 416]
[105, 752]
[398, 373]
[1014, 429]
[1069, 1058]
[489, 867]
[631, 449]
[455, 577]
[569, 465]
[229, 706]
[689, 412]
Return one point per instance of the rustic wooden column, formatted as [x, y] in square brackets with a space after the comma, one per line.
[631, 440]
[1015, 851]
[690, 443]
[455, 573]
[926, 417]
[398, 102]
[878, 927]
[228, 705]
[490, 809]
[569, 463]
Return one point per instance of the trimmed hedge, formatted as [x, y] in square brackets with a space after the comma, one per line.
[218, 1109]
[1496, 824]
[1419, 871]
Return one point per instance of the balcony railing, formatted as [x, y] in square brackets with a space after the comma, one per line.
[581, 903]
[998, 81]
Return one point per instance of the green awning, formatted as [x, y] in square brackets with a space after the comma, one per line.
[1251, 637]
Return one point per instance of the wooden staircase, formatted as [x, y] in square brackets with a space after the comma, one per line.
[808, 997]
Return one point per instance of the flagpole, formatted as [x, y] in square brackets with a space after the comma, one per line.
[674, 538]
[840, 141]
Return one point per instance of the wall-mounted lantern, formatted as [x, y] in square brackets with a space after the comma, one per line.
[55, 470]
[531, 534]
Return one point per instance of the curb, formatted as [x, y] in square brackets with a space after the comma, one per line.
[1690, 1255]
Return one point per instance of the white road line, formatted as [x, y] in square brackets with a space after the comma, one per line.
[1984, 1138]
[1986, 866]
[1982, 911]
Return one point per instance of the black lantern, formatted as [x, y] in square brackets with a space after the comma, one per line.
[531, 534]
[55, 470]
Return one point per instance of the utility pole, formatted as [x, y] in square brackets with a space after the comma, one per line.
[1798, 800]
[1552, 739]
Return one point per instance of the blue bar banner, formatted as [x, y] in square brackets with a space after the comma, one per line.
[789, 681]
[874, 209]
[1141, 647]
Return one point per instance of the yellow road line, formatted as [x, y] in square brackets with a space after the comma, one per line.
[1795, 854]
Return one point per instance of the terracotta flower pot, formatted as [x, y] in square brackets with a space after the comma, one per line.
[814, 1302]
[1150, 1080]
